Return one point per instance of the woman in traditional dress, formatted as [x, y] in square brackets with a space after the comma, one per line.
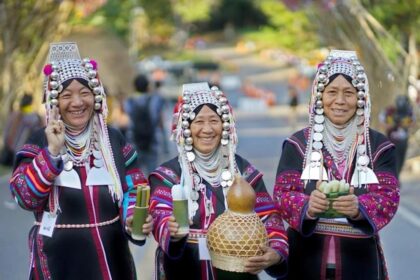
[337, 145]
[79, 178]
[206, 140]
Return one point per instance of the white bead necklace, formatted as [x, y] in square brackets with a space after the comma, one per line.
[339, 149]
[76, 143]
[208, 166]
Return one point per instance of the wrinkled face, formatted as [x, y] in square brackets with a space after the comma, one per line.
[206, 130]
[340, 101]
[76, 105]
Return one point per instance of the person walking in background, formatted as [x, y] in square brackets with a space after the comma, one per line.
[19, 126]
[337, 145]
[205, 167]
[79, 177]
[397, 119]
[146, 129]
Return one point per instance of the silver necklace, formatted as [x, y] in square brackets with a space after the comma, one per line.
[208, 166]
[331, 135]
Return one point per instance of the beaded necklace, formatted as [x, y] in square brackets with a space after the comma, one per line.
[79, 145]
[208, 166]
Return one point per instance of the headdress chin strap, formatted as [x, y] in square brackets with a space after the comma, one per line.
[339, 62]
[194, 95]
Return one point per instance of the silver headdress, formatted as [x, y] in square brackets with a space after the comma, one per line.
[194, 95]
[64, 63]
[339, 62]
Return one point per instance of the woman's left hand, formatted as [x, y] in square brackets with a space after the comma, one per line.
[347, 204]
[255, 265]
[147, 226]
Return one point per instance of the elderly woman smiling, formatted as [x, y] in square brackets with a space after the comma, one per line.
[79, 178]
[206, 165]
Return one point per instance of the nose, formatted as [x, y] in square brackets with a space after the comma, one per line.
[77, 100]
[207, 127]
[340, 98]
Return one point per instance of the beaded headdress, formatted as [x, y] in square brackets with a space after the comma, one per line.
[64, 63]
[193, 96]
[347, 63]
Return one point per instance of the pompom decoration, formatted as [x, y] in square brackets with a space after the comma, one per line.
[48, 69]
[94, 64]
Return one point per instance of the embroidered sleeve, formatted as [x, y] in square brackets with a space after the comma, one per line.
[134, 178]
[33, 178]
[161, 182]
[380, 203]
[288, 188]
[270, 216]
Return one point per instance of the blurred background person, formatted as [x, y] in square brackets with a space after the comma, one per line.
[146, 130]
[396, 120]
[19, 126]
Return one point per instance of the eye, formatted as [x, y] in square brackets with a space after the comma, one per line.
[85, 92]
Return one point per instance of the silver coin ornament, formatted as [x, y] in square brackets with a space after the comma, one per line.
[97, 154]
[315, 156]
[98, 163]
[317, 136]
[319, 119]
[190, 156]
[361, 149]
[319, 111]
[318, 127]
[363, 160]
[224, 142]
[195, 206]
[226, 175]
[68, 165]
[317, 145]
[196, 179]
[194, 195]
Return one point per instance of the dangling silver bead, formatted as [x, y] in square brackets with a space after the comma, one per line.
[92, 74]
[360, 86]
[185, 124]
[226, 125]
[192, 115]
[98, 98]
[361, 94]
[97, 90]
[318, 104]
[225, 109]
[190, 156]
[54, 102]
[54, 84]
[360, 69]
[185, 116]
[214, 88]
[54, 75]
[360, 112]
[225, 117]
[187, 132]
[86, 60]
[225, 134]
[188, 147]
[224, 142]
[320, 87]
[322, 78]
[219, 93]
[356, 63]
[223, 100]
[186, 99]
[186, 107]
[219, 111]
[319, 111]
[88, 66]
[323, 69]
[54, 93]
[360, 103]
[318, 95]
[361, 77]
[98, 106]
[188, 141]
[93, 83]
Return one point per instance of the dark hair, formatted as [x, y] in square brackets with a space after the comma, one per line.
[141, 83]
[80, 80]
[26, 100]
[334, 76]
[211, 106]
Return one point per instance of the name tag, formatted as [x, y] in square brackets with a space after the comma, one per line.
[47, 224]
[203, 250]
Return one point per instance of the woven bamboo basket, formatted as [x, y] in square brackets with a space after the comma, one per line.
[233, 237]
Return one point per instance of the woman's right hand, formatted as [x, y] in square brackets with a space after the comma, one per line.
[173, 229]
[318, 202]
[55, 133]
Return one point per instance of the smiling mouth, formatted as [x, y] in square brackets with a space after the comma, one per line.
[77, 113]
[339, 111]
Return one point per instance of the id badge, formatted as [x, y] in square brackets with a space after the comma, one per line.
[203, 250]
[47, 224]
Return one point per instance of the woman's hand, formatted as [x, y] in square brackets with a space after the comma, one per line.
[173, 227]
[147, 226]
[55, 133]
[318, 202]
[255, 265]
[347, 205]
